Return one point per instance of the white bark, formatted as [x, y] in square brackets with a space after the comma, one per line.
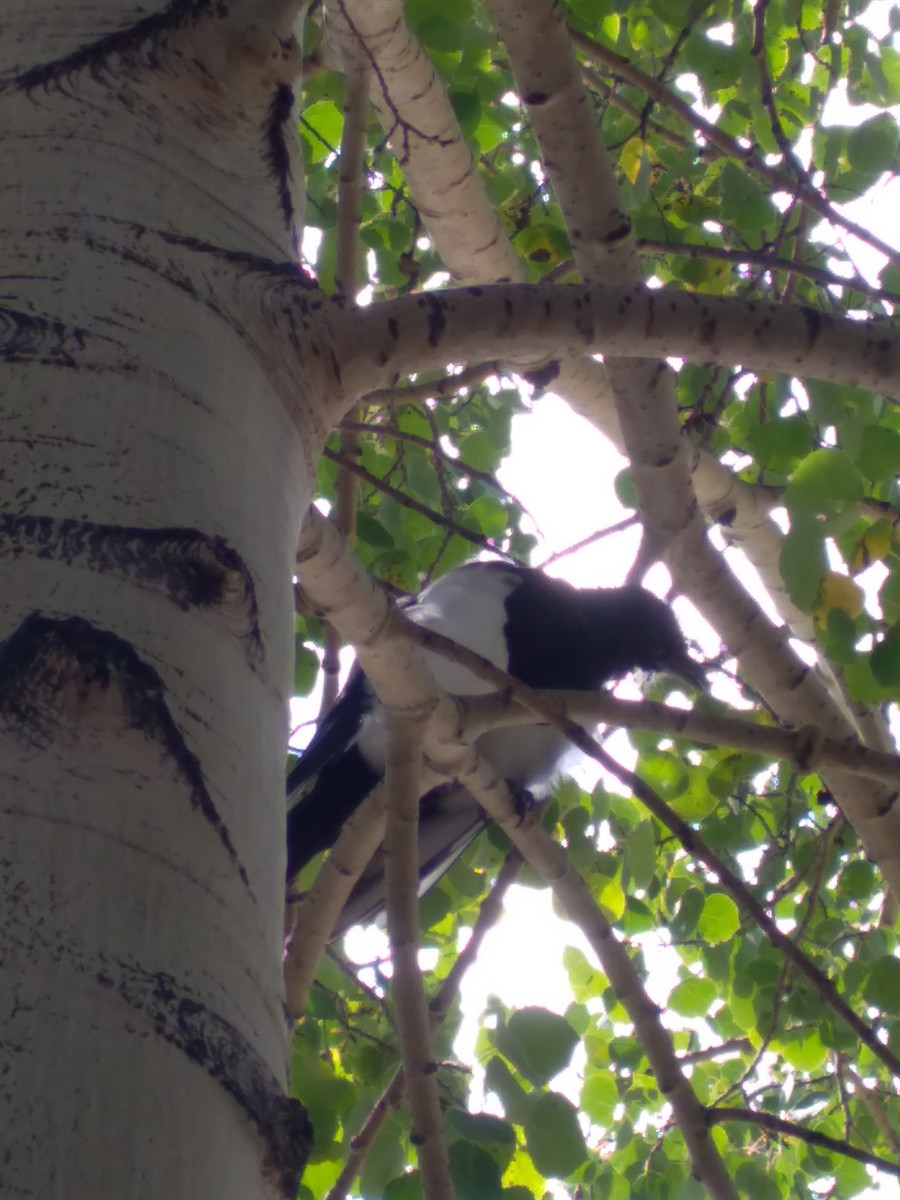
[152, 478]
[377, 345]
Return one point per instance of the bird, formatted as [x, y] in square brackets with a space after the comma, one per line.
[544, 632]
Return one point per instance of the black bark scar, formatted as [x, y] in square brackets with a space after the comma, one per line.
[194, 570]
[44, 655]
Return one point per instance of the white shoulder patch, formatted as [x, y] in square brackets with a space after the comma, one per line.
[469, 606]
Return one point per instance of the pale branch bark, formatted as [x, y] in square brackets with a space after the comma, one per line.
[813, 1137]
[367, 621]
[424, 134]
[441, 175]
[873, 1101]
[350, 185]
[806, 748]
[419, 332]
[351, 169]
[576, 163]
[403, 761]
[313, 917]
[488, 915]
[560, 113]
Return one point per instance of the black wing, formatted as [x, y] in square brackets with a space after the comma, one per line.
[331, 779]
[449, 821]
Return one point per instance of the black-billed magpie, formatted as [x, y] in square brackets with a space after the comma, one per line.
[544, 632]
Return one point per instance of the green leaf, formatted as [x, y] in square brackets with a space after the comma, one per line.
[692, 997]
[687, 914]
[858, 882]
[371, 531]
[850, 1178]
[753, 1179]
[611, 898]
[384, 1163]
[585, 980]
[404, 1187]
[467, 106]
[823, 482]
[626, 492]
[488, 515]
[879, 453]
[322, 123]
[475, 1174]
[803, 1049]
[498, 1078]
[665, 773]
[743, 200]
[872, 148]
[306, 669]
[885, 659]
[539, 1043]
[640, 854]
[496, 1136]
[719, 920]
[779, 444]
[599, 1097]
[554, 1138]
[882, 989]
[479, 451]
[803, 561]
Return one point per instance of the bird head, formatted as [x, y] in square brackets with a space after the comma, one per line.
[654, 639]
[628, 628]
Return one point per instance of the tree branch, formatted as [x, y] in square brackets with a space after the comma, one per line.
[420, 332]
[401, 849]
[812, 1137]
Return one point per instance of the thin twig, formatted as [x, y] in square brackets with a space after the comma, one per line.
[812, 1137]
[477, 539]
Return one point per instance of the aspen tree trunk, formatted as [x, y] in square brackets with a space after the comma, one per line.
[152, 474]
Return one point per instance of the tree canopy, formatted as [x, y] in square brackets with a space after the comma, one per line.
[704, 150]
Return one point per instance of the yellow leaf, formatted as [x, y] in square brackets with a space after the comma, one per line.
[838, 591]
[631, 157]
[522, 1173]
[874, 545]
[612, 900]
[542, 243]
